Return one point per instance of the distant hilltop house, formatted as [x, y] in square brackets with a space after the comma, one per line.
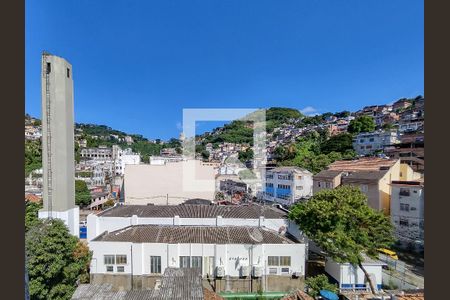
[32, 132]
[410, 151]
[401, 104]
[367, 143]
[372, 176]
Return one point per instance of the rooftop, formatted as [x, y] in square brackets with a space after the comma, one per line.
[362, 164]
[195, 235]
[253, 211]
[176, 283]
[289, 169]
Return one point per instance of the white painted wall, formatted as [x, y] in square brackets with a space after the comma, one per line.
[346, 274]
[231, 256]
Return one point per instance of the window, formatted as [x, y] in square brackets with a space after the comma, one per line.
[299, 188]
[155, 264]
[273, 271]
[328, 184]
[109, 269]
[120, 269]
[68, 73]
[284, 186]
[185, 261]
[318, 184]
[109, 260]
[404, 207]
[273, 260]
[121, 259]
[49, 68]
[404, 192]
[196, 262]
[404, 222]
[361, 140]
[284, 270]
[285, 260]
[371, 140]
[269, 184]
[364, 188]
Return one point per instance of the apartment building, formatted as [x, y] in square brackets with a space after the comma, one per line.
[407, 210]
[372, 175]
[369, 142]
[287, 185]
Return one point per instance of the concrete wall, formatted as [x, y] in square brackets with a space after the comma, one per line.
[332, 183]
[152, 183]
[62, 134]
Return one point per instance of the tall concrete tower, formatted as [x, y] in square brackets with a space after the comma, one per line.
[58, 142]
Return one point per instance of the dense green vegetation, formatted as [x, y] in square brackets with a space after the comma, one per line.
[82, 194]
[33, 156]
[55, 259]
[314, 151]
[342, 224]
[361, 124]
[320, 282]
[146, 149]
[246, 155]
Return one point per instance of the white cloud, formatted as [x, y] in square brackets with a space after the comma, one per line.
[309, 111]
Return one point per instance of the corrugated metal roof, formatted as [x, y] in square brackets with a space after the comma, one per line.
[253, 211]
[196, 235]
[177, 284]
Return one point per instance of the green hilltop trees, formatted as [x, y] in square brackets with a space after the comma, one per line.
[341, 223]
[361, 124]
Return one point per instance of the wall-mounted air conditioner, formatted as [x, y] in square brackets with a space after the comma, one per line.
[220, 271]
[245, 271]
[257, 271]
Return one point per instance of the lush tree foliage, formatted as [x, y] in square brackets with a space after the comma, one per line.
[31, 214]
[146, 149]
[82, 194]
[308, 152]
[343, 225]
[361, 124]
[56, 260]
[246, 155]
[33, 156]
[341, 143]
[319, 282]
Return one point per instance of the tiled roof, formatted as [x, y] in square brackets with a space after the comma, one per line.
[195, 211]
[327, 174]
[363, 175]
[289, 169]
[195, 235]
[362, 164]
[32, 198]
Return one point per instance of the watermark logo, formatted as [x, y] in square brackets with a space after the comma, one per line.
[254, 118]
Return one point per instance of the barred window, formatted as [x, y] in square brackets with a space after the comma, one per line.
[109, 260]
[109, 268]
[285, 260]
[155, 264]
[273, 260]
[120, 269]
[121, 259]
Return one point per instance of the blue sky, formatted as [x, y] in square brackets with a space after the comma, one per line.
[137, 64]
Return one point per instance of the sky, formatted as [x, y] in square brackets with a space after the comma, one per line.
[138, 64]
